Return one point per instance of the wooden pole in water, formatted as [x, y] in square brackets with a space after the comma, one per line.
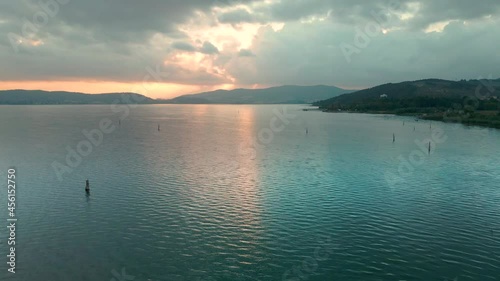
[87, 186]
[158, 127]
[393, 137]
[429, 147]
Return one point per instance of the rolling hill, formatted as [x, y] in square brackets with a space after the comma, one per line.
[274, 95]
[427, 89]
[472, 102]
[44, 97]
[283, 94]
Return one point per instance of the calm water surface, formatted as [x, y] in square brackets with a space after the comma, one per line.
[206, 198]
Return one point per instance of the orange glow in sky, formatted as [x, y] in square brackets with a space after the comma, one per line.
[228, 39]
[188, 61]
[154, 90]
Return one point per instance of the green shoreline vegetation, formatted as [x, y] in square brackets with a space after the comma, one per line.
[489, 119]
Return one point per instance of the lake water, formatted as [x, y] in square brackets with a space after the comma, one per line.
[237, 192]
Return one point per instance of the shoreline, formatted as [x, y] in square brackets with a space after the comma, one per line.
[440, 116]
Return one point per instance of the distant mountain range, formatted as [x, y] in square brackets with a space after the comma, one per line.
[394, 95]
[275, 95]
[43, 97]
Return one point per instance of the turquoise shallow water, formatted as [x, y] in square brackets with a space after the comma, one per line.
[206, 198]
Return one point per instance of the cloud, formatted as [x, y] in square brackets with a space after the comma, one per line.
[184, 46]
[310, 54]
[246, 53]
[436, 11]
[236, 16]
[209, 42]
[241, 15]
[421, 13]
[209, 49]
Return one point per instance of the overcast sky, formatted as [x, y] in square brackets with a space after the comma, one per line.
[167, 48]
